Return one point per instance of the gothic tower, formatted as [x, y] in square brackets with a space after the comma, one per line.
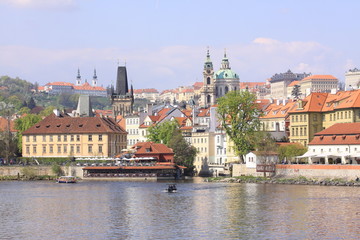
[122, 99]
[208, 89]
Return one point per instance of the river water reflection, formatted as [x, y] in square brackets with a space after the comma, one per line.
[141, 210]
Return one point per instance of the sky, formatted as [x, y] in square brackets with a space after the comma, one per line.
[164, 42]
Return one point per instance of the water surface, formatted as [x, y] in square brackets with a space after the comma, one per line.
[141, 210]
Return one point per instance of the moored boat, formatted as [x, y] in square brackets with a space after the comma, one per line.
[66, 179]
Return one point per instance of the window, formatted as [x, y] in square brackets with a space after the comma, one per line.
[100, 148]
[90, 149]
[51, 149]
[71, 148]
[65, 148]
[90, 138]
[77, 148]
[100, 137]
[77, 138]
[51, 138]
[59, 148]
[34, 138]
[44, 149]
[34, 149]
[59, 138]
[65, 138]
[27, 138]
[44, 138]
[71, 138]
[28, 149]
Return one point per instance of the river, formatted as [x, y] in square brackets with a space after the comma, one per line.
[199, 210]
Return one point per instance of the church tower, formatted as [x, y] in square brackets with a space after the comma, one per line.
[78, 78]
[122, 99]
[208, 89]
[94, 81]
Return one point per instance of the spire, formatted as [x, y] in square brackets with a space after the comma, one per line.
[225, 62]
[94, 77]
[208, 63]
[78, 78]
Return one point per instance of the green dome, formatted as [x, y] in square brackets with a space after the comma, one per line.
[226, 74]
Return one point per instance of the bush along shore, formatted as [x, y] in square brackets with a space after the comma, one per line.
[277, 180]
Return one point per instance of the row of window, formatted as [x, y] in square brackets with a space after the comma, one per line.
[338, 150]
[299, 118]
[62, 149]
[339, 115]
[133, 131]
[199, 140]
[296, 131]
[131, 121]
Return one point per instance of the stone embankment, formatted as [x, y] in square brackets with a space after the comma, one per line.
[297, 181]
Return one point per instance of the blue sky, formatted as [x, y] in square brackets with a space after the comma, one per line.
[164, 43]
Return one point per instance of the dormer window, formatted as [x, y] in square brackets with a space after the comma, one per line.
[58, 125]
[80, 125]
[47, 126]
[37, 126]
[148, 149]
[97, 125]
[68, 125]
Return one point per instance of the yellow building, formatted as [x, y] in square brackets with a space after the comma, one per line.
[64, 136]
[319, 111]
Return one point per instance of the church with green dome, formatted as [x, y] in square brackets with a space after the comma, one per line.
[217, 84]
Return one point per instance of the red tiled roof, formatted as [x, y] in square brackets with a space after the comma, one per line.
[55, 125]
[250, 85]
[4, 125]
[87, 86]
[293, 83]
[338, 134]
[312, 103]
[320, 77]
[154, 148]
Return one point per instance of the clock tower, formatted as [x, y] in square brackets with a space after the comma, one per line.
[208, 88]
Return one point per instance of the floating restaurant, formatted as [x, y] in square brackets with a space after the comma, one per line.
[148, 161]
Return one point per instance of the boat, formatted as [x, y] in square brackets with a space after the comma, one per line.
[66, 179]
[171, 188]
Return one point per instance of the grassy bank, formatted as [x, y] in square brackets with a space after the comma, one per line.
[298, 180]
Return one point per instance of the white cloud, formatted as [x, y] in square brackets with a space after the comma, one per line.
[40, 3]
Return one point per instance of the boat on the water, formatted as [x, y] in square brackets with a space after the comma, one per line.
[171, 188]
[66, 179]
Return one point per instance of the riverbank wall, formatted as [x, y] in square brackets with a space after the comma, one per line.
[8, 171]
[316, 171]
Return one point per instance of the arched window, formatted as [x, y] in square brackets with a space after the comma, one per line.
[208, 99]
[220, 94]
[226, 89]
[208, 80]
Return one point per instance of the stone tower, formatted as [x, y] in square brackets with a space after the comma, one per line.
[121, 99]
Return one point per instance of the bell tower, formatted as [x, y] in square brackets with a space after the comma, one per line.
[94, 81]
[208, 89]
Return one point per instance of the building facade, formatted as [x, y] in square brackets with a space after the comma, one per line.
[59, 135]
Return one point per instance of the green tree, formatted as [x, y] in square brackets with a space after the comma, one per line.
[296, 93]
[184, 152]
[22, 124]
[24, 110]
[163, 132]
[289, 151]
[31, 103]
[239, 116]
[264, 143]
[47, 111]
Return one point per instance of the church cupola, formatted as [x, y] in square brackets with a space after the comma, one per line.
[78, 78]
[94, 81]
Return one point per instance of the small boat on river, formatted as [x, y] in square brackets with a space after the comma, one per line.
[66, 179]
[171, 188]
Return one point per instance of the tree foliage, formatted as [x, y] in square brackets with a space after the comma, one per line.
[22, 124]
[239, 116]
[290, 151]
[296, 93]
[163, 132]
[184, 152]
